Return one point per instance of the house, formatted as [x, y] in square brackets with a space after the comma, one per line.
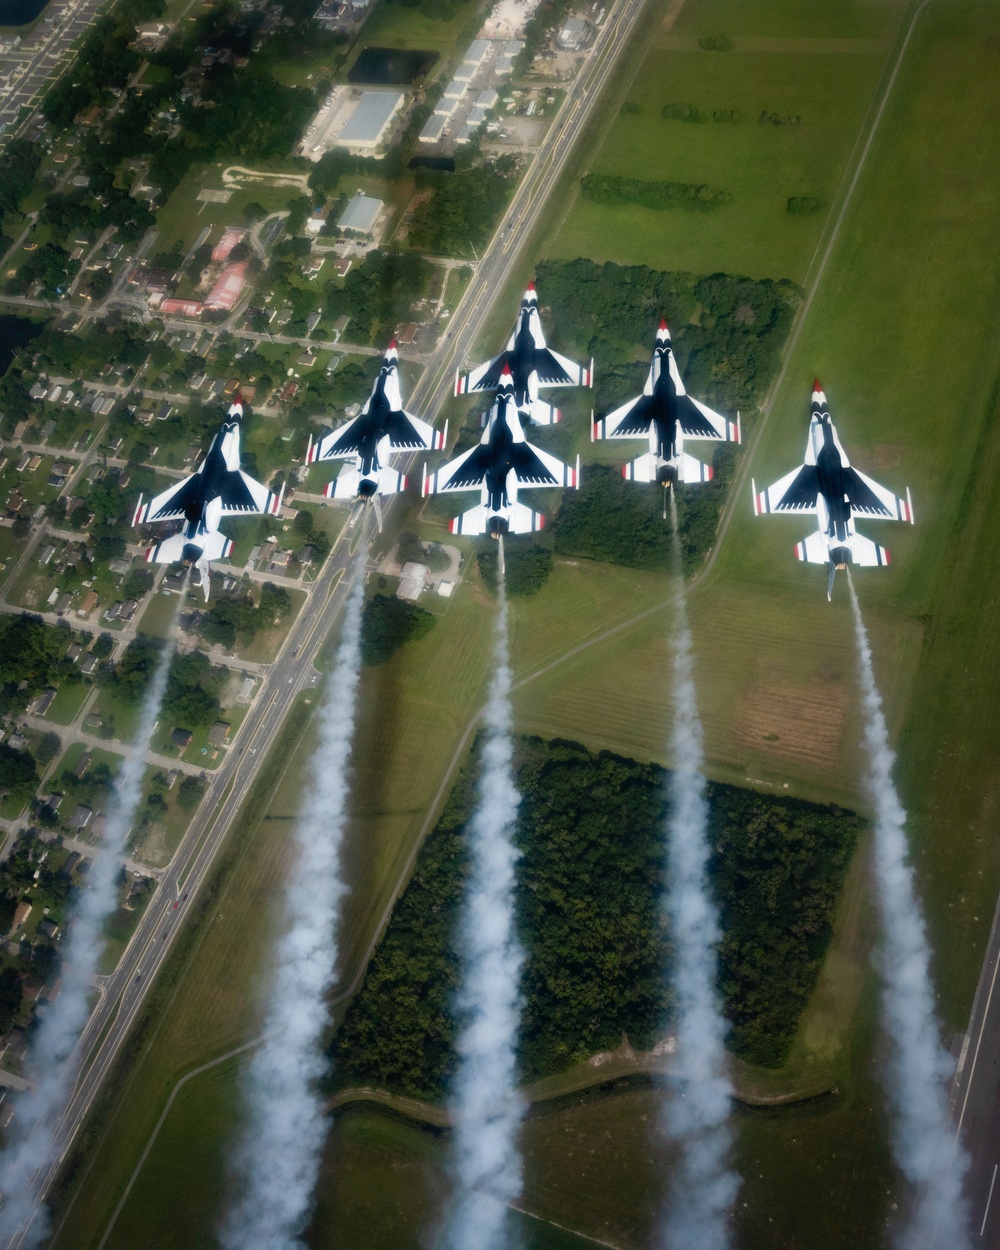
[88, 664]
[172, 778]
[406, 333]
[92, 722]
[181, 738]
[128, 609]
[44, 701]
[114, 611]
[82, 764]
[21, 913]
[17, 742]
[71, 864]
[74, 651]
[48, 928]
[63, 603]
[120, 567]
[411, 581]
[88, 605]
[245, 693]
[81, 816]
[218, 734]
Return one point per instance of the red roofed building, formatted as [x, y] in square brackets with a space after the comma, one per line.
[230, 237]
[182, 307]
[227, 290]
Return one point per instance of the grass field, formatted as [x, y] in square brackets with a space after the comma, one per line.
[903, 334]
[827, 80]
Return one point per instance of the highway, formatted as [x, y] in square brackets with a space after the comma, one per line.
[122, 994]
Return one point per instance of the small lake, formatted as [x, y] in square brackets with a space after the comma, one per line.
[432, 162]
[20, 12]
[391, 67]
[15, 332]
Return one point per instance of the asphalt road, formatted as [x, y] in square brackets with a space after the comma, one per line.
[976, 1100]
[123, 992]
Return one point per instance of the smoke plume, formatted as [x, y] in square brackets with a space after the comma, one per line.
[52, 1064]
[696, 1115]
[918, 1067]
[277, 1160]
[485, 1104]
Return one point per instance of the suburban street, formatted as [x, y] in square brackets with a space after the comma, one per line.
[123, 992]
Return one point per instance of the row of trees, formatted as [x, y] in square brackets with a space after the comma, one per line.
[235, 618]
[193, 684]
[590, 879]
[614, 191]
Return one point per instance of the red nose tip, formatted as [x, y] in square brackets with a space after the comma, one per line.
[392, 345]
[816, 385]
[531, 286]
[663, 323]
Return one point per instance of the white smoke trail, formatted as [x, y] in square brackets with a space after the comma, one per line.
[278, 1157]
[52, 1064]
[486, 1107]
[918, 1066]
[703, 1187]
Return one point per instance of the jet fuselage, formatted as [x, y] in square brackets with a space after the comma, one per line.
[203, 511]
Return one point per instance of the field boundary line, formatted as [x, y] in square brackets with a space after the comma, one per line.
[743, 472]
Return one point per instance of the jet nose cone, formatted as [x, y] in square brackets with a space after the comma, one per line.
[663, 324]
[817, 387]
[392, 345]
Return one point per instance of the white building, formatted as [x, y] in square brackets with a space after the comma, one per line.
[370, 122]
[455, 90]
[412, 581]
[487, 99]
[446, 107]
[433, 129]
[361, 214]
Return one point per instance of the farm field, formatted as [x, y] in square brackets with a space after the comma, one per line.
[823, 69]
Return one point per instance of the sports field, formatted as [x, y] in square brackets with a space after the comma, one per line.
[903, 334]
[812, 68]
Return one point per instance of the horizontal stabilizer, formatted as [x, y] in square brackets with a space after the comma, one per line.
[471, 522]
[814, 550]
[523, 520]
[545, 414]
[867, 553]
[690, 469]
[213, 546]
[642, 469]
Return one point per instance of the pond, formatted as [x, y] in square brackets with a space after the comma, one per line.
[389, 66]
[20, 12]
[15, 332]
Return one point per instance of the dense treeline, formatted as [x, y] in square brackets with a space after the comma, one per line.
[193, 684]
[18, 165]
[590, 834]
[622, 523]
[727, 332]
[388, 624]
[32, 658]
[527, 566]
[613, 191]
[464, 209]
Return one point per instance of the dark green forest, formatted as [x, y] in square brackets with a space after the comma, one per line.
[590, 833]
[388, 624]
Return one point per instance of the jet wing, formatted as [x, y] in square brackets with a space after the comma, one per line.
[169, 505]
[697, 420]
[631, 420]
[483, 378]
[241, 494]
[795, 492]
[556, 370]
[344, 441]
[466, 472]
[875, 501]
[409, 433]
[865, 552]
[535, 467]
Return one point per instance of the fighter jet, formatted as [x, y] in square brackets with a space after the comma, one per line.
[665, 414]
[532, 364]
[217, 488]
[828, 487]
[499, 466]
[381, 427]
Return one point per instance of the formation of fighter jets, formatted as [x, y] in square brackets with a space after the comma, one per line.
[503, 463]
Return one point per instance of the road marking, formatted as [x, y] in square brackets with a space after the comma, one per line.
[989, 1199]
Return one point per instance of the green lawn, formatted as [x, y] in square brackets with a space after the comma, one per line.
[405, 26]
[761, 166]
[183, 217]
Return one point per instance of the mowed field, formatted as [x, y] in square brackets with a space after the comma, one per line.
[820, 62]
